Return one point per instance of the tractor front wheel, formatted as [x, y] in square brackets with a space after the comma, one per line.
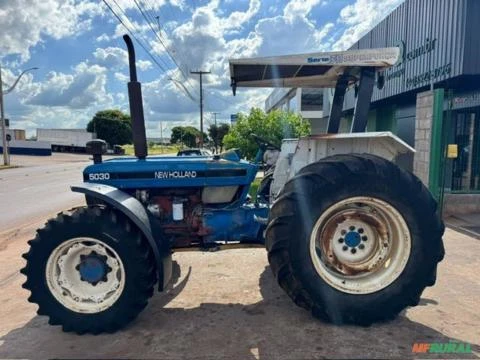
[354, 239]
[89, 270]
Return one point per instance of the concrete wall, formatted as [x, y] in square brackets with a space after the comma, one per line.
[460, 204]
[423, 135]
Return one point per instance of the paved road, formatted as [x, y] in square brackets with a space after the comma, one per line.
[36, 190]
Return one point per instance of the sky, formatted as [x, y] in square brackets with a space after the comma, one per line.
[83, 67]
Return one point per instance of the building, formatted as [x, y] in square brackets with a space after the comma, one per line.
[66, 140]
[307, 102]
[430, 98]
[18, 145]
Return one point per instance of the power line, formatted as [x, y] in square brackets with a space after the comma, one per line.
[154, 32]
[160, 39]
[133, 35]
[141, 44]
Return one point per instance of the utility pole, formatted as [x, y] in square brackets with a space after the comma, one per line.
[216, 131]
[161, 133]
[215, 117]
[201, 73]
[6, 158]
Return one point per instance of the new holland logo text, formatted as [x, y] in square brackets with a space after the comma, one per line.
[175, 174]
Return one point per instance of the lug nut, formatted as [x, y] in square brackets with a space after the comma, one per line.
[360, 231]
[343, 232]
[364, 238]
[353, 251]
[361, 246]
[345, 248]
[352, 228]
[340, 240]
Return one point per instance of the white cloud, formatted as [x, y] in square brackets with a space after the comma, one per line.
[84, 88]
[61, 100]
[238, 18]
[111, 57]
[122, 77]
[361, 17]
[115, 58]
[299, 8]
[102, 38]
[144, 64]
[25, 22]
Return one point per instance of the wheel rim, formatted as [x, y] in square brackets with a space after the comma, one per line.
[360, 245]
[85, 275]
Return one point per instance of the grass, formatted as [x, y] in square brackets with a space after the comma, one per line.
[154, 149]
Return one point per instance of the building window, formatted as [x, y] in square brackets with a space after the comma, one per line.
[312, 99]
[466, 167]
[292, 104]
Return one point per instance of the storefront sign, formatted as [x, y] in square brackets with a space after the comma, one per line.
[405, 57]
[428, 76]
[466, 100]
[426, 48]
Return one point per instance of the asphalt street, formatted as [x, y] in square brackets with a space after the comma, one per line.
[35, 191]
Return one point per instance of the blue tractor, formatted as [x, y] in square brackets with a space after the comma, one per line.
[350, 236]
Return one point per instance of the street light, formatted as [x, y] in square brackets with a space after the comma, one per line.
[6, 158]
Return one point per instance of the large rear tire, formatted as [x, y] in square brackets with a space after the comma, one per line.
[90, 270]
[354, 239]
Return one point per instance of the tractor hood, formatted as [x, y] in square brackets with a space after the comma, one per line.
[162, 172]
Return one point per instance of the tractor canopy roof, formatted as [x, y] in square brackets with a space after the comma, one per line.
[316, 70]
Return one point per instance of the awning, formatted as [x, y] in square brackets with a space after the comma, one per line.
[315, 70]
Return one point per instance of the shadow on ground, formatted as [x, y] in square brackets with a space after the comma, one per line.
[273, 328]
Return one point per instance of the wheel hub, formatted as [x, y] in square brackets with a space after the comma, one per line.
[352, 239]
[353, 242]
[360, 244]
[93, 268]
[85, 275]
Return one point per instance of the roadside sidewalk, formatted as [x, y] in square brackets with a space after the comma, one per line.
[468, 224]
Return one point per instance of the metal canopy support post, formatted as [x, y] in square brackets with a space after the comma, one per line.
[364, 96]
[337, 105]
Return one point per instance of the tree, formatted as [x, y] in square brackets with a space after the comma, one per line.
[113, 126]
[186, 135]
[274, 127]
[217, 133]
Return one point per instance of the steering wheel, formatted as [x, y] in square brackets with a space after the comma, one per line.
[264, 144]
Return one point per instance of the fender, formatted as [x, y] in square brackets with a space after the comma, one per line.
[146, 223]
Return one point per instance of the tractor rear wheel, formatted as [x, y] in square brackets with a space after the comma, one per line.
[354, 239]
[89, 270]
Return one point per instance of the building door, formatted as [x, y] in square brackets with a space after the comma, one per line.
[466, 167]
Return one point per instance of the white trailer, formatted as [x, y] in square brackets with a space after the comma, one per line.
[66, 140]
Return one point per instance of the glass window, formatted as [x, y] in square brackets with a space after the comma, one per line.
[292, 104]
[466, 167]
[312, 99]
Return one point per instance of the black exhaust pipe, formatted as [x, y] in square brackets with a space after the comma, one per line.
[136, 105]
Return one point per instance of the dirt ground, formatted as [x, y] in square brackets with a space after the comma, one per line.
[227, 305]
